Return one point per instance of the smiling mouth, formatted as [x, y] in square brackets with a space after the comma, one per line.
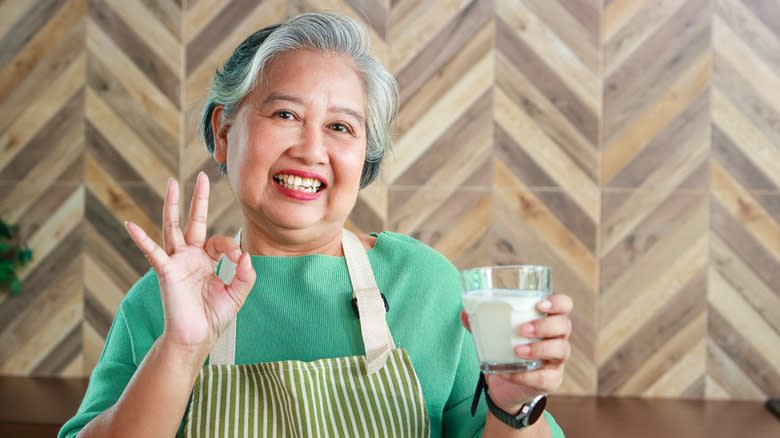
[299, 184]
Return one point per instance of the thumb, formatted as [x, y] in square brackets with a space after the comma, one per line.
[244, 278]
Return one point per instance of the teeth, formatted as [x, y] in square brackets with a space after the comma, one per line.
[292, 182]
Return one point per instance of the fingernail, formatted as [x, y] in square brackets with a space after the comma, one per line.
[528, 330]
[523, 350]
[545, 305]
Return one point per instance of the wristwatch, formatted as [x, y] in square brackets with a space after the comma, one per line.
[528, 414]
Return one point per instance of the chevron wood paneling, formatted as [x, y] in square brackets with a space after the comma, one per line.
[653, 246]
[133, 130]
[546, 195]
[744, 285]
[42, 71]
[631, 145]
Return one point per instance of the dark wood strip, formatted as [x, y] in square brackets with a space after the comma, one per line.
[62, 354]
[53, 274]
[460, 134]
[42, 145]
[556, 200]
[646, 234]
[582, 153]
[111, 229]
[546, 81]
[447, 43]
[696, 390]
[373, 13]
[169, 12]
[647, 73]
[755, 366]
[212, 34]
[688, 303]
[684, 131]
[745, 246]
[96, 315]
[587, 12]
[738, 166]
[722, 369]
[27, 26]
[365, 218]
[767, 11]
[135, 48]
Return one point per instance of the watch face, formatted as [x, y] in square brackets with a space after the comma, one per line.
[537, 410]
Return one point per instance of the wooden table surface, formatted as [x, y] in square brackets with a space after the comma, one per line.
[37, 407]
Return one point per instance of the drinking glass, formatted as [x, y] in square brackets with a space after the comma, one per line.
[497, 299]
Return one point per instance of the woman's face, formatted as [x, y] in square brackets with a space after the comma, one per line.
[296, 147]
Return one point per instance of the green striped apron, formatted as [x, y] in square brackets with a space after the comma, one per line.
[376, 395]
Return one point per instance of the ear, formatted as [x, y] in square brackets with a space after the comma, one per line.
[220, 129]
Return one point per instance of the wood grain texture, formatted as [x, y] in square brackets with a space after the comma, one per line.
[631, 145]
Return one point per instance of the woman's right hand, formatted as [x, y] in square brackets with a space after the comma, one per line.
[198, 306]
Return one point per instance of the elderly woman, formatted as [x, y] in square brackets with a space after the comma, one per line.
[290, 317]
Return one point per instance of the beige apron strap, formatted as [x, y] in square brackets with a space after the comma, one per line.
[224, 350]
[377, 340]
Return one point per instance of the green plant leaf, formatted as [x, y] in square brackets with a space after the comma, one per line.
[24, 255]
[15, 285]
[5, 230]
[5, 246]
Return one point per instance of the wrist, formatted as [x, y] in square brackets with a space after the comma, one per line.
[185, 357]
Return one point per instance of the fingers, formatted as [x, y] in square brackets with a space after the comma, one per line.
[464, 319]
[548, 327]
[549, 350]
[557, 303]
[173, 240]
[196, 226]
[218, 245]
[156, 255]
[543, 380]
[243, 280]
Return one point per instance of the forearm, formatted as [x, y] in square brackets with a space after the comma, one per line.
[494, 428]
[153, 403]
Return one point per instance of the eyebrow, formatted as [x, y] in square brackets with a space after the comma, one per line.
[276, 96]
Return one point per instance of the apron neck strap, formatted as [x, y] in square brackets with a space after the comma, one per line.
[377, 340]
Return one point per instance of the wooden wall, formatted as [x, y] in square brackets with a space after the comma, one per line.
[632, 145]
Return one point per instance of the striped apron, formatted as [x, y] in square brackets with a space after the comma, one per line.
[376, 395]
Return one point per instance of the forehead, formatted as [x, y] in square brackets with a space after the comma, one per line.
[314, 75]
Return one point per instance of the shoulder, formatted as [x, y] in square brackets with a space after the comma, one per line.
[400, 250]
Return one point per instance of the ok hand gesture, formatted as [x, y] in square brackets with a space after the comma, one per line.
[197, 305]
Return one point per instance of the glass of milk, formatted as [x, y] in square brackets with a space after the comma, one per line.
[497, 299]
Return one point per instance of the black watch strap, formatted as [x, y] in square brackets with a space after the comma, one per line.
[528, 414]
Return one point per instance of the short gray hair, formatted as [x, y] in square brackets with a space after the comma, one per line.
[328, 32]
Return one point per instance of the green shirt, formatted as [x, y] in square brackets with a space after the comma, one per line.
[300, 309]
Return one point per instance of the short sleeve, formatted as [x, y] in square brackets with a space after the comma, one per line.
[108, 380]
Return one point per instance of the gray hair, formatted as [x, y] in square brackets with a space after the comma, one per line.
[328, 32]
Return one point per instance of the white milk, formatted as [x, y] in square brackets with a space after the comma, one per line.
[494, 315]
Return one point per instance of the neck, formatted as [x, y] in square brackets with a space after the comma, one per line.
[290, 242]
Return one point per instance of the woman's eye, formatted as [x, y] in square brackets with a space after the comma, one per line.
[285, 115]
[340, 127]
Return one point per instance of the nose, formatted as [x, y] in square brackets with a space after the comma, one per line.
[310, 145]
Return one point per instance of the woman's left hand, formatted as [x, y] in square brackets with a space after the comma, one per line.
[511, 391]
